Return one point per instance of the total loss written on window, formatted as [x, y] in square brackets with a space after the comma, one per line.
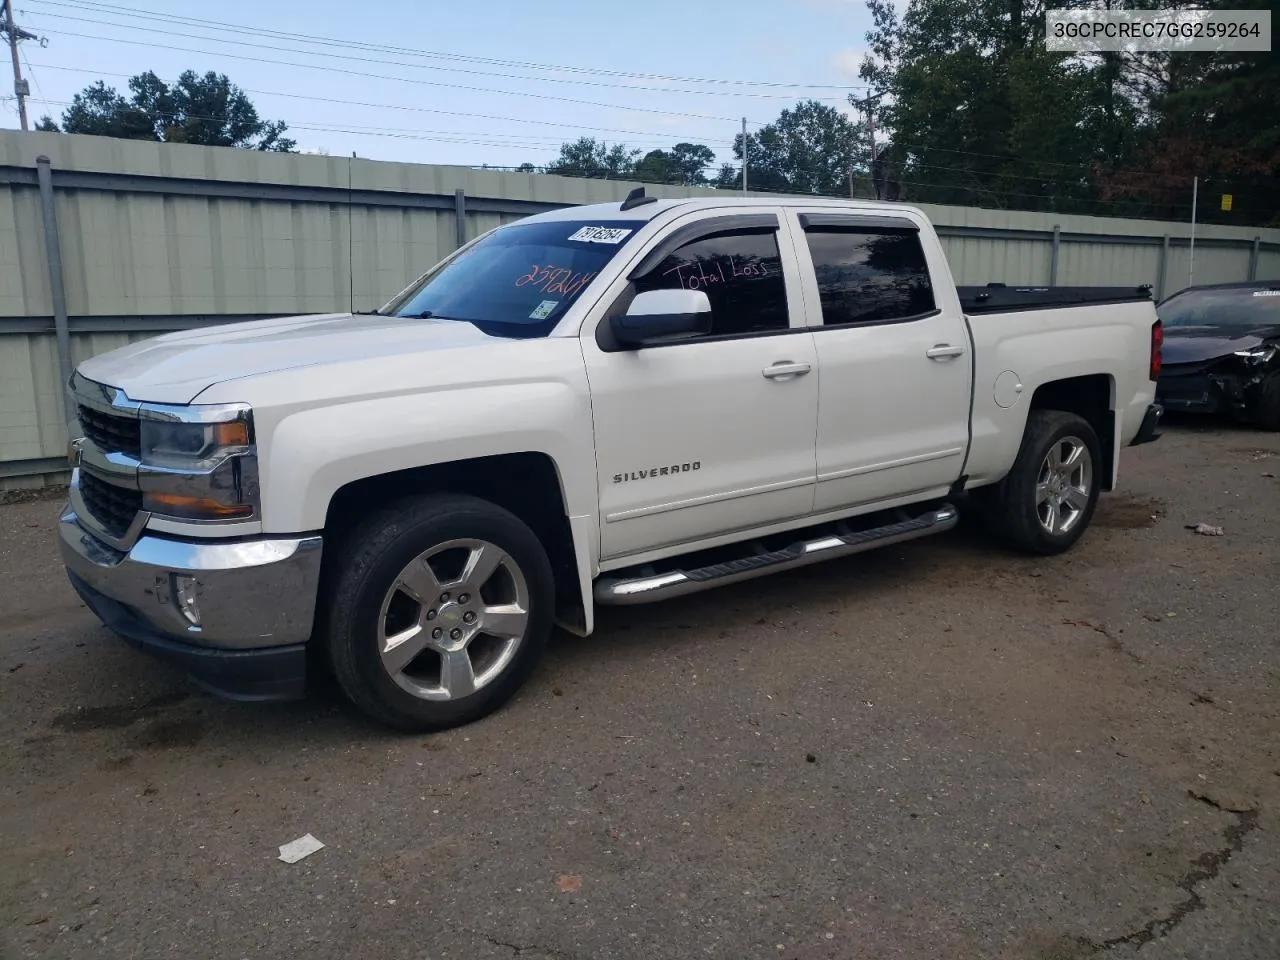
[741, 274]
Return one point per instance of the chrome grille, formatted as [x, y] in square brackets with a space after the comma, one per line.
[111, 506]
[111, 433]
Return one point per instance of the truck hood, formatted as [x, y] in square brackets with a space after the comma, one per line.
[178, 367]
[1200, 343]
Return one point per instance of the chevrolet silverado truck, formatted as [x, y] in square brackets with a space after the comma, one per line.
[606, 404]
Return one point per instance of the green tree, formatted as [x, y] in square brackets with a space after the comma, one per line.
[1211, 115]
[100, 111]
[728, 177]
[207, 110]
[595, 159]
[654, 167]
[685, 163]
[810, 148]
[690, 162]
[980, 112]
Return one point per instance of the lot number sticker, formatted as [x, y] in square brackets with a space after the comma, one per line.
[610, 235]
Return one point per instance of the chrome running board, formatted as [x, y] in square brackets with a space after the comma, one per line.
[842, 542]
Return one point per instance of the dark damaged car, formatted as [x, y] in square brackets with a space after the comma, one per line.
[1222, 351]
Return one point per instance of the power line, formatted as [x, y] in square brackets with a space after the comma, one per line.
[657, 136]
[1080, 167]
[31, 73]
[1008, 158]
[483, 138]
[395, 106]
[664, 137]
[461, 139]
[419, 66]
[379, 76]
[386, 48]
[407, 135]
[1085, 179]
[478, 138]
[792, 191]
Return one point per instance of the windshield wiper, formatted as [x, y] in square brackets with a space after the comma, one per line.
[431, 315]
[366, 313]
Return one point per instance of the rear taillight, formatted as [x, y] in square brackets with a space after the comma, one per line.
[1157, 347]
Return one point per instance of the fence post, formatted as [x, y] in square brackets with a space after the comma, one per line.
[1164, 261]
[53, 250]
[460, 215]
[1053, 259]
[1253, 258]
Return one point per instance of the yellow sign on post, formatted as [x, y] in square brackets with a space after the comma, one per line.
[1226, 201]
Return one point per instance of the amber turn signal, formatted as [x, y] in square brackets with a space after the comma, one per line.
[232, 434]
[195, 508]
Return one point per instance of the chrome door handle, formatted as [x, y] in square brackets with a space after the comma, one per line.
[943, 351]
[785, 370]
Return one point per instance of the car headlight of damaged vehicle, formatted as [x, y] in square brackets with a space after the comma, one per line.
[1263, 353]
[199, 463]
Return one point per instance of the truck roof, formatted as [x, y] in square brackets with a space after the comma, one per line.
[647, 211]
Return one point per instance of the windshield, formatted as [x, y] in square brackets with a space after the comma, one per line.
[1238, 307]
[519, 280]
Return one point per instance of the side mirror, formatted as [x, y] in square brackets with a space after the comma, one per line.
[657, 316]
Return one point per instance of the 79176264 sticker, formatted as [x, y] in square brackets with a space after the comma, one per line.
[609, 235]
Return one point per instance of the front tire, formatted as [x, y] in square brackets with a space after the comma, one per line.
[1049, 496]
[439, 612]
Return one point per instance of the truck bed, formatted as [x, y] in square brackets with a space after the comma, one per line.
[998, 298]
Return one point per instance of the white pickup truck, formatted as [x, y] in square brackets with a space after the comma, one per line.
[608, 404]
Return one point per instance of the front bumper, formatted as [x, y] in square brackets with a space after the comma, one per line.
[255, 599]
[1224, 385]
[1198, 392]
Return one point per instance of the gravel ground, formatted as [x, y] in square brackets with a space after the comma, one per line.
[935, 750]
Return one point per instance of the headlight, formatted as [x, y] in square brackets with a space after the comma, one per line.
[170, 443]
[198, 463]
[1263, 353]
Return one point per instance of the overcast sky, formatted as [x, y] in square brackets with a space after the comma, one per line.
[436, 99]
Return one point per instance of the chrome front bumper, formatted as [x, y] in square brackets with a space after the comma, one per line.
[250, 594]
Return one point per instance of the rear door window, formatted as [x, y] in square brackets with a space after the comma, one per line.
[870, 275]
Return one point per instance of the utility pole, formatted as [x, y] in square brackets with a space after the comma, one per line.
[20, 88]
[744, 156]
[868, 106]
[1195, 195]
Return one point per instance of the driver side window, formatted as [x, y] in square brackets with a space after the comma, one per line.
[741, 274]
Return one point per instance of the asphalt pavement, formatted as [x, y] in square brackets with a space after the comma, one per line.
[936, 750]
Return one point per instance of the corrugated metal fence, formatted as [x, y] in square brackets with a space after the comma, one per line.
[103, 242]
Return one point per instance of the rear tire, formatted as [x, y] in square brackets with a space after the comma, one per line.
[1048, 498]
[1266, 406]
[439, 612]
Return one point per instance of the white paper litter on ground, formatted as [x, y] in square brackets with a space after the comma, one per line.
[295, 850]
[1206, 530]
